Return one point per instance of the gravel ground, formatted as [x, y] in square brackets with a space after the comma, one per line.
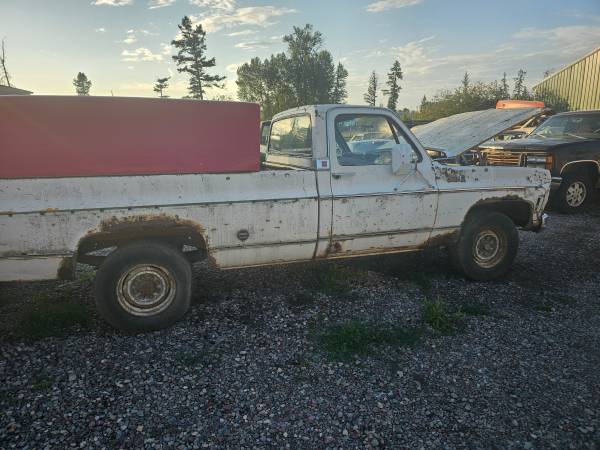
[246, 367]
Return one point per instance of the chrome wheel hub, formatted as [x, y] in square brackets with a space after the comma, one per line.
[488, 248]
[146, 290]
[576, 193]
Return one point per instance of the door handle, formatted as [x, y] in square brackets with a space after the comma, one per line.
[339, 175]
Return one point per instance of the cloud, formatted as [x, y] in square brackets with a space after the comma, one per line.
[155, 4]
[241, 33]
[100, 30]
[141, 54]
[225, 5]
[130, 37]
[112, 2]
[384, 5]
[260, 16]
[253, 45]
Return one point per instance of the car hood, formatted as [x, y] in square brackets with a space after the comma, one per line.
[532, 144]
[461, 132]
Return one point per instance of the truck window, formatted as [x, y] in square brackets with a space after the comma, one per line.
[264, 133]
[365, 139]
[291, 136]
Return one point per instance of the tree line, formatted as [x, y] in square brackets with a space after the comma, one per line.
[306, 73]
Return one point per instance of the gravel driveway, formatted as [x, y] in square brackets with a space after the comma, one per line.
[290, 357]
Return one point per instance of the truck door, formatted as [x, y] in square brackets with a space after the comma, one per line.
[374, 209]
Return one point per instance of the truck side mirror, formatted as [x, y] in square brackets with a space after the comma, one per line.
[403, 157]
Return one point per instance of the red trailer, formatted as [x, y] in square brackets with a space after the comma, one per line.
[54, 136]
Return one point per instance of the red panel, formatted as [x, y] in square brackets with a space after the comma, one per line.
[43, 136]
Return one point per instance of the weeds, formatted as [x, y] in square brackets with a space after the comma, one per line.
[437, 315]
[330, 279]
[341, 341]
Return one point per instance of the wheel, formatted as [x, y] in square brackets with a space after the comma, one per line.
[144, 286]
[487, 246]
[575, 193]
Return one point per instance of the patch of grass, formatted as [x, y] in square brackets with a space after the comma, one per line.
[475, 309]
[330, 279]
[53, 318]
[437, 315]
[341, 341]
[42, 382]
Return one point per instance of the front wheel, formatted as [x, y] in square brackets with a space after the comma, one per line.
[487, 246]
[574, 194]
[143, 286]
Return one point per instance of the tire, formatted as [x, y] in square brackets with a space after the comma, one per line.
[574, 194]
[143, 286]
[487, 246]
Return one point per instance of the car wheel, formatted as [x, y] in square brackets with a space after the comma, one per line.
[143, 286]
[487, 246]
[574, 194]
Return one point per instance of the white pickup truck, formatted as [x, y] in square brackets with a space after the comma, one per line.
[337, 182]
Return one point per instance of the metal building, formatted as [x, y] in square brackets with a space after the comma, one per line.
[577, 85]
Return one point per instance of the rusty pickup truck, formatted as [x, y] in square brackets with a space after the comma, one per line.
[336, 182]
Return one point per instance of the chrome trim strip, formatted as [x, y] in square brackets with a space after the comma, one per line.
[173, 205]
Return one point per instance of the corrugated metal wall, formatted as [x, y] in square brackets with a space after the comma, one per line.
[578, 84]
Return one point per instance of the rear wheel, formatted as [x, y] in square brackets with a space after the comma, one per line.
[575, 193]
[144, 286]
[487, 246]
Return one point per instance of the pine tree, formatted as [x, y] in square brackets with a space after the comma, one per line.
[82, 84]
[394, 76]
[519, 89]
[161, 86]
[504, 92]
[339, 93]
[191, 58]
[371, 95]
[466, 82]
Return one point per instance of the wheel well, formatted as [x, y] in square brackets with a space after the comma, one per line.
[590, 168]
[519, 211]
[93, 248]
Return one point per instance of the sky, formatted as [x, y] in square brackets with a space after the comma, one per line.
[124, 45]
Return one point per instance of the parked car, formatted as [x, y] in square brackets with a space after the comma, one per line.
[567, 144]
[155, 194]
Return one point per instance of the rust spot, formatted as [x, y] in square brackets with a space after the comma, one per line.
[118, 230]
[451, 175]
[443, 240]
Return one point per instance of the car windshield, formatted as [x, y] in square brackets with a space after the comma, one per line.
[583, 126]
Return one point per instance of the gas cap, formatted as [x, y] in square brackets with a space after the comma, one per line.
[243, 235]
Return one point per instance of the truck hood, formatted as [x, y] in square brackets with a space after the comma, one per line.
[532, 144]
[461, 132]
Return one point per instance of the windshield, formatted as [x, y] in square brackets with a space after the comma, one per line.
[583, 126]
